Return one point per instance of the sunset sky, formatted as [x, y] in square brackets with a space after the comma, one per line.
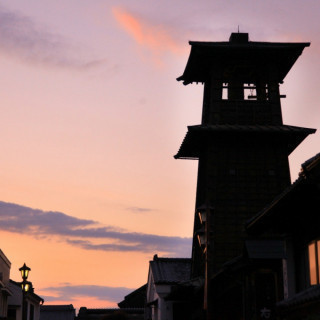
[91, 116]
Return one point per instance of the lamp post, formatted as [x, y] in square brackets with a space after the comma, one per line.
[25, 286]
[205, 216]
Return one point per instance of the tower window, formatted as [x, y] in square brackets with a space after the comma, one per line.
[235, 90]
[225, 91]
[250, 92]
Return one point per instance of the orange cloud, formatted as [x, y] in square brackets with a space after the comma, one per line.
[155, 38]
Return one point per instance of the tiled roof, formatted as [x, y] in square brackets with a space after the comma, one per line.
[308, 166]
[311, 294]
[311, 160]
[197, 136]
[205, 56]
[84, 311]
[59, 307]
[257, 220]
[170, 270]
[134, 299]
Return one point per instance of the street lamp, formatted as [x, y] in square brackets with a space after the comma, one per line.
[205, 213]
[25, 286]
[24, 272]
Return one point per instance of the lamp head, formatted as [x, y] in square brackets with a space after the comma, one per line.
[24, 271]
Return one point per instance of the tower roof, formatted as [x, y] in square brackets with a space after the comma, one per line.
[198, 136]
[247, 58]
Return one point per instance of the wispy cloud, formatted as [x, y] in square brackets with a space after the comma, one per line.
[71, 292]
[24, 39]
[139, 209]
[155, 38]
[86, 234]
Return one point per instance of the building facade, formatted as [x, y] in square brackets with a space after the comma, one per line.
[164, 275]
[31, 303]
[293, 217]
[12, 298]
[5, 291]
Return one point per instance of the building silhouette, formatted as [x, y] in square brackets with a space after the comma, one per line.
[256, 237]
[164, 274]
[242, 144]
[54, 312]
[242, 148]
[14, 304]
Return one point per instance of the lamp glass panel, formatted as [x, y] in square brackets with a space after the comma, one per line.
[202, 216]
[201, 239]
[27, 287]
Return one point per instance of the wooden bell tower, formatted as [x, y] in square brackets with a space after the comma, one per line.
[241, 144]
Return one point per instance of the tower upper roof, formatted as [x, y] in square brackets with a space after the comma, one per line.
[250, 59]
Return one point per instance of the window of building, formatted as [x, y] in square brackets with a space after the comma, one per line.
[250, 91]
[12, 314]
[314, 262]
[243, 91]
[31, 312]
[225, 91]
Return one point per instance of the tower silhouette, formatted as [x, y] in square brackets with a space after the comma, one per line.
[241, 144]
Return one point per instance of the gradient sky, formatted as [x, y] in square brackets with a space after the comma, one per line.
[91, 116]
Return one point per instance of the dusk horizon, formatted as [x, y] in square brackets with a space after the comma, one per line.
[92, 116]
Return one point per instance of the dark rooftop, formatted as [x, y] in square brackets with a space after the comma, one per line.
[239, 37]
[309, 295]
[170, 270]
[58, 307]
[134, 299]
[264, 217]
[198, 135]
[206, 57]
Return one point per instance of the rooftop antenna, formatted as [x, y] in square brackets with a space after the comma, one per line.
[238, 29]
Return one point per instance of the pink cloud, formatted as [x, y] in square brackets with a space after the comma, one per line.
[155, 38]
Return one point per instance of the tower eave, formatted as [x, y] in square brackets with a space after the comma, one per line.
[198, 137]
[204, 55]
